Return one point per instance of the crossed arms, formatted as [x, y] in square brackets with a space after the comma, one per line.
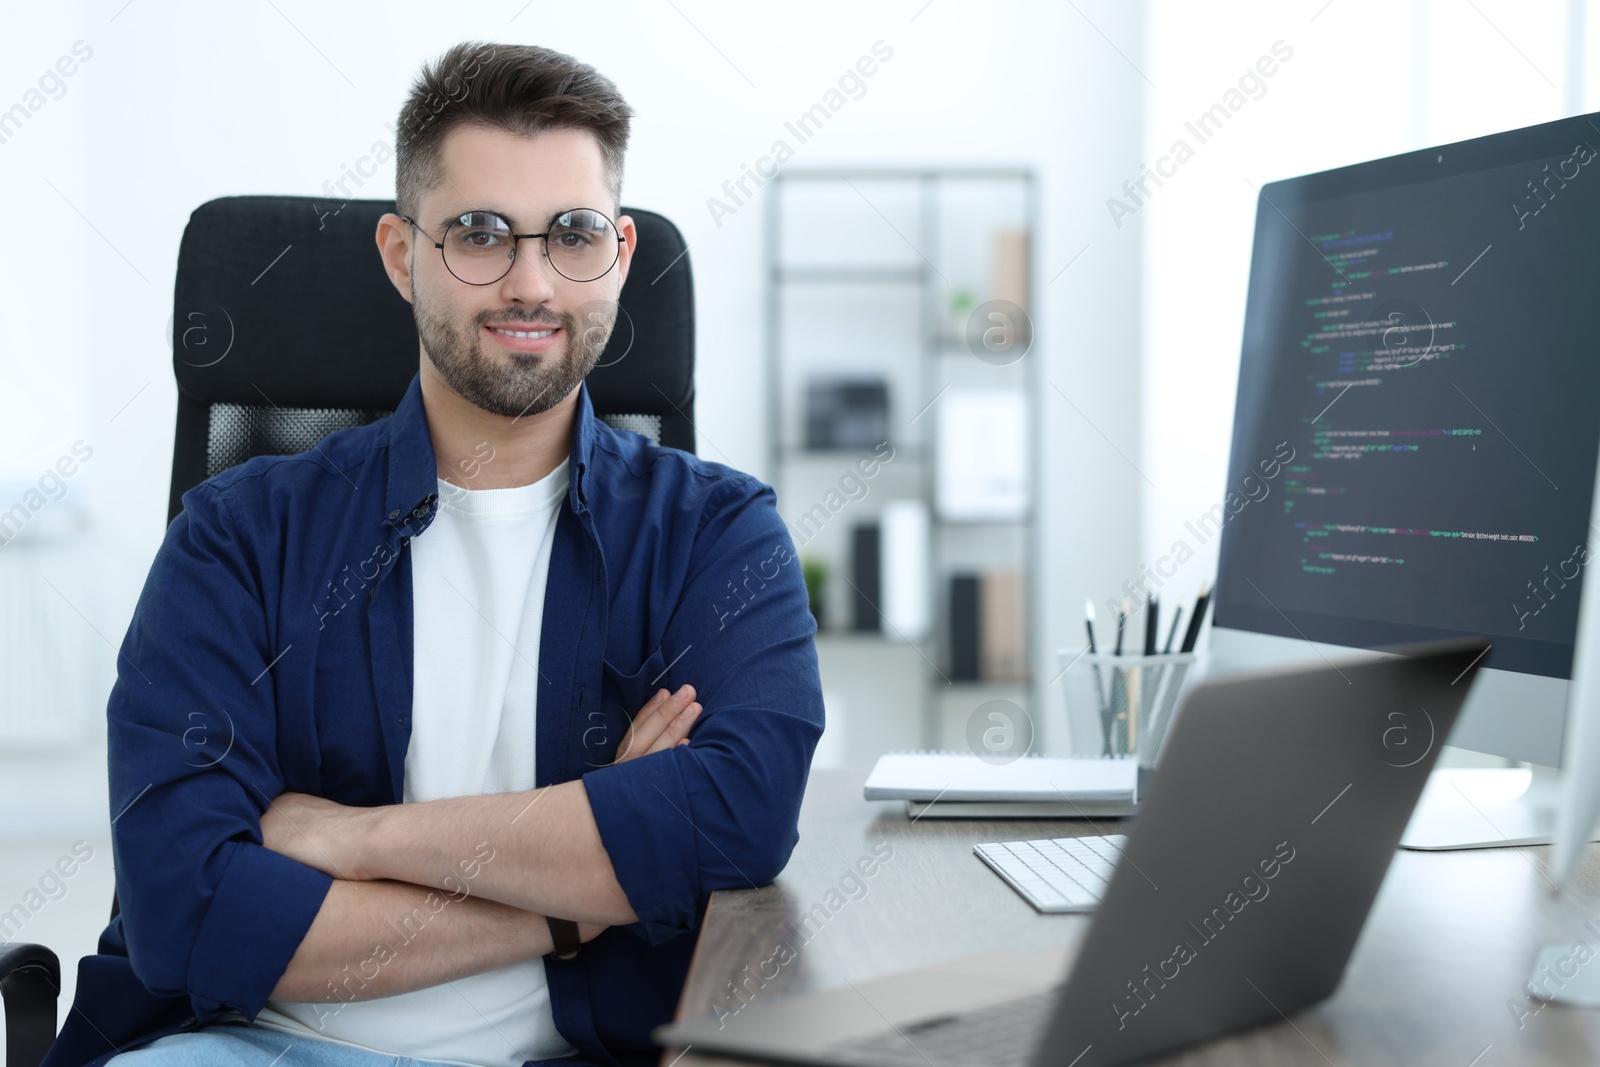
[391, 864]
[234, 892]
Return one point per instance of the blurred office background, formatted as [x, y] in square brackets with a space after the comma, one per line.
[993, 152]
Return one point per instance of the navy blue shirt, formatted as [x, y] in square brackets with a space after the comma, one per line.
[271, 650]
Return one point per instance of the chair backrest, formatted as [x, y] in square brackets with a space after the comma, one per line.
[285, 328]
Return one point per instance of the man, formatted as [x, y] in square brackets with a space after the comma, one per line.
[405, 757]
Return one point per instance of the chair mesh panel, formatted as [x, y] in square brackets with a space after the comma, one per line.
[238, 431]
[647, 426]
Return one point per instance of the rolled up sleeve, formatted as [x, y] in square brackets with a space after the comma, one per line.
[722, 812]
[207, 910]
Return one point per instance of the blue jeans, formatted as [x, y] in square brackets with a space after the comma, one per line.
[242, 1045]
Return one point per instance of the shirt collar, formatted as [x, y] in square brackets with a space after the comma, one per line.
[413, 475]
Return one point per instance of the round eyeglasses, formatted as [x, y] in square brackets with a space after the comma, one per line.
[479, 248]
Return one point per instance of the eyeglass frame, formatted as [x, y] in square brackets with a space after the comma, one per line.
[516, 242]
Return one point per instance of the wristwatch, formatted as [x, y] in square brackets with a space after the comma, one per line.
[564, 935]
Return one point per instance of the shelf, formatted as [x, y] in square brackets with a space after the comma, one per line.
[814, 275]
[799, 454]
[876, 637]
[903, 174]
[921, 352]
[980, 523]
[956, 348]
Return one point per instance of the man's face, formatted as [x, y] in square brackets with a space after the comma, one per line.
[526, 180]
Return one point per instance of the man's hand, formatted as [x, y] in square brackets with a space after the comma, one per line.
[660, 724]
[318, 832]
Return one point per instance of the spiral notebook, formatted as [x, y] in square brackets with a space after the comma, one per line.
[1019, 809]
[962, 776]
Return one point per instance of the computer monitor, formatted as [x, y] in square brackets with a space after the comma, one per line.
[1417, 425]
[1578, 806]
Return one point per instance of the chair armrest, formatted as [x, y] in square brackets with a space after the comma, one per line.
[30, 981]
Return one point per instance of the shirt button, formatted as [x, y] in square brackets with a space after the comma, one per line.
[395, 514]
[190, 1021]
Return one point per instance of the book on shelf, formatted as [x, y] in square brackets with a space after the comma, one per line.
[1002, 632]
[988, 626]
[1009, 279]
[964, 601]
[866, 565]
[903, 568]
[981, 464]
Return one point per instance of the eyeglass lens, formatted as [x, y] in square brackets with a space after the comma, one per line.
[478, 248]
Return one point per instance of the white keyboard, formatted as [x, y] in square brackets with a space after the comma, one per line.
[1063, 874]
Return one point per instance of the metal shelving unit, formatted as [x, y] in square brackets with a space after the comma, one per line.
[940, 363]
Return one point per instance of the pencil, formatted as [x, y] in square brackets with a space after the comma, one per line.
[1192, 635]
[1152, 607]
[1099, 682]
[1172, 632]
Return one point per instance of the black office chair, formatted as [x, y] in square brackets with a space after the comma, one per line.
[285, 328]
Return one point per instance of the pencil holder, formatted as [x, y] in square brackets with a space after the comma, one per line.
[1120, 707]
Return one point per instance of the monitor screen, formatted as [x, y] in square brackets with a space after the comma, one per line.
[1418, 409]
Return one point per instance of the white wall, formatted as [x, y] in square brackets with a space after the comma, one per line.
[186, 101]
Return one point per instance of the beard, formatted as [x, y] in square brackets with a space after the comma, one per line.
[532, 383]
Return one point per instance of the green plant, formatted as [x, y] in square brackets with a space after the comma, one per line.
[815, 573]
[961, 304]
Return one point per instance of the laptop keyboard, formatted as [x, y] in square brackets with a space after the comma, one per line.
[1002, 1035]
[1063, 874]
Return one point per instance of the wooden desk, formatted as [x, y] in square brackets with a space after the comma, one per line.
[1442, 960]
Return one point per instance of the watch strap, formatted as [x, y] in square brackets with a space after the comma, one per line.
[564, 936]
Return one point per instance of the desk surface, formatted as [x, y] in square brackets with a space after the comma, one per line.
[1437, 977]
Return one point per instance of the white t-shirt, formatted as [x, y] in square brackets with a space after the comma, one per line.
[478, 588]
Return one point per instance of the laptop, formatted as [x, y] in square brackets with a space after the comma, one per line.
[1245, 879]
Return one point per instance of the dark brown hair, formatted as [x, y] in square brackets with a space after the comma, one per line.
[522, 89]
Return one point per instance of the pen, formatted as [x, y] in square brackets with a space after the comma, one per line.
[1172, 632]
[1192, 636]
[1099, 682]
[1119, 690]
[1152, 614]
[1170, 683]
